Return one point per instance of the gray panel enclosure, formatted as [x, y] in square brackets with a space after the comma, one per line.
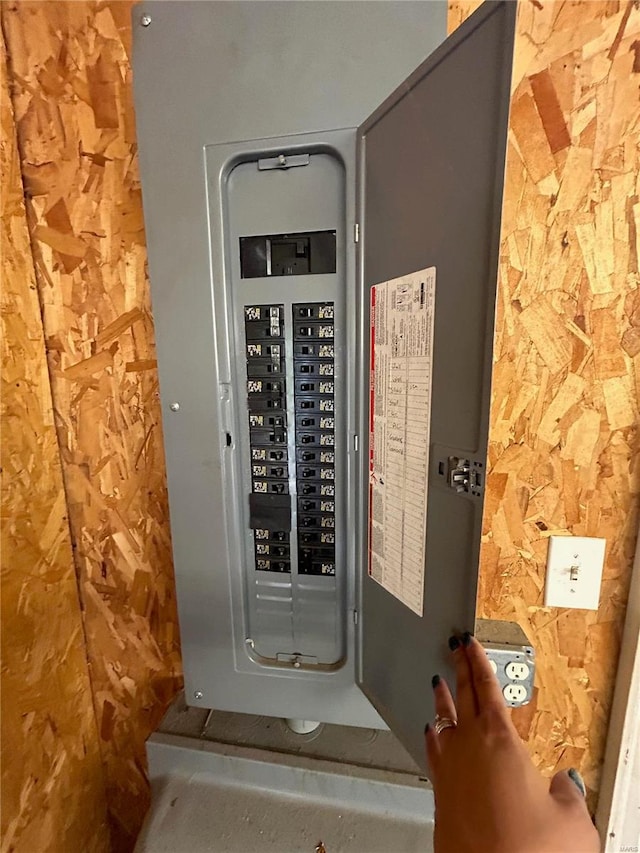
[212, 81]
[430, 187]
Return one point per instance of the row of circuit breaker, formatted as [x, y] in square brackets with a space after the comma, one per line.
[313, 469]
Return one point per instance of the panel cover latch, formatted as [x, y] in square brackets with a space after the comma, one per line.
[463, 474]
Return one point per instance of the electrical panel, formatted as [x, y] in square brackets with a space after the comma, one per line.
[266, 236]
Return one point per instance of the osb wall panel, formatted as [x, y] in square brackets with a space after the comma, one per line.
[53, 794]
[564, 424]
[71, 77]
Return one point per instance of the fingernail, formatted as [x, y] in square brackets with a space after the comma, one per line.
[466, 639]
[426, 728]
[454, 643]
[578, 781]
[435, 681]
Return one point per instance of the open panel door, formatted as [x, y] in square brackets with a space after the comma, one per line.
[431, 171]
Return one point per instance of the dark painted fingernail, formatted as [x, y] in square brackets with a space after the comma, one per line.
[578, 781]
[466, 639]
[454, 643]
[435, 681]
[426, 728]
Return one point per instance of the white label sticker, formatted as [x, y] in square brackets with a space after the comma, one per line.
[402, 315]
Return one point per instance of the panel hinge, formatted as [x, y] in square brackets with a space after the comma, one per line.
[463, 475]
[356, 233]
[355, 617]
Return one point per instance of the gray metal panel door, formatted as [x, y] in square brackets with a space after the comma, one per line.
[431, 173]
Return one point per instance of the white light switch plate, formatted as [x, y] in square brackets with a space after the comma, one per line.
[574, 572]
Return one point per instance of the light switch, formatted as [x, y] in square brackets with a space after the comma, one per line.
[574, 572]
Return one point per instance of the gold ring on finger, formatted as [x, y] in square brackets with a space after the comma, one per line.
[442, 723]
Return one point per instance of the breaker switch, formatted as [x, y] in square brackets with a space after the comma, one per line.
[316, 548]
[269, 501]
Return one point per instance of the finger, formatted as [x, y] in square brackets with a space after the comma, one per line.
[465, 696]
[434, 748]
[567, 788]
[485, 684]
[443, 700]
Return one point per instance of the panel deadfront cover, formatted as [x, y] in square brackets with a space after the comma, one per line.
[431, 171]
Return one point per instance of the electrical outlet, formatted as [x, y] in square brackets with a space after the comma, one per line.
[514, 667]
[517, 670]
[511, 656]
[574, 572]
[515, 693]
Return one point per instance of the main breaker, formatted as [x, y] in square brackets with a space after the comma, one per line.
[323, 290]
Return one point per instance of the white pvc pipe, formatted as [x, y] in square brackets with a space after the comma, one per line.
[302, 727]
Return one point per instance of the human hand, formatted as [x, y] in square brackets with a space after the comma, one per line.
[489, 796]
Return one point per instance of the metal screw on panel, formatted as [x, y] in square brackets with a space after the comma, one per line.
[145, 20]
[175, 407]
[198, 694]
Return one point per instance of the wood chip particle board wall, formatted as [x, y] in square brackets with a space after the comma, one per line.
[53, 795]
[71, 90]
[564, 437]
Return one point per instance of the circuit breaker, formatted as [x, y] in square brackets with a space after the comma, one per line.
[323, 301]
[290, 364]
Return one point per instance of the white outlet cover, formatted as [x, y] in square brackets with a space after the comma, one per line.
[515, 692]
[574, 572]
[517, 670]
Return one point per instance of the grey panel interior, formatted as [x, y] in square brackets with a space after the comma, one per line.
[295, 684]
[431, 173]
[290, 614]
